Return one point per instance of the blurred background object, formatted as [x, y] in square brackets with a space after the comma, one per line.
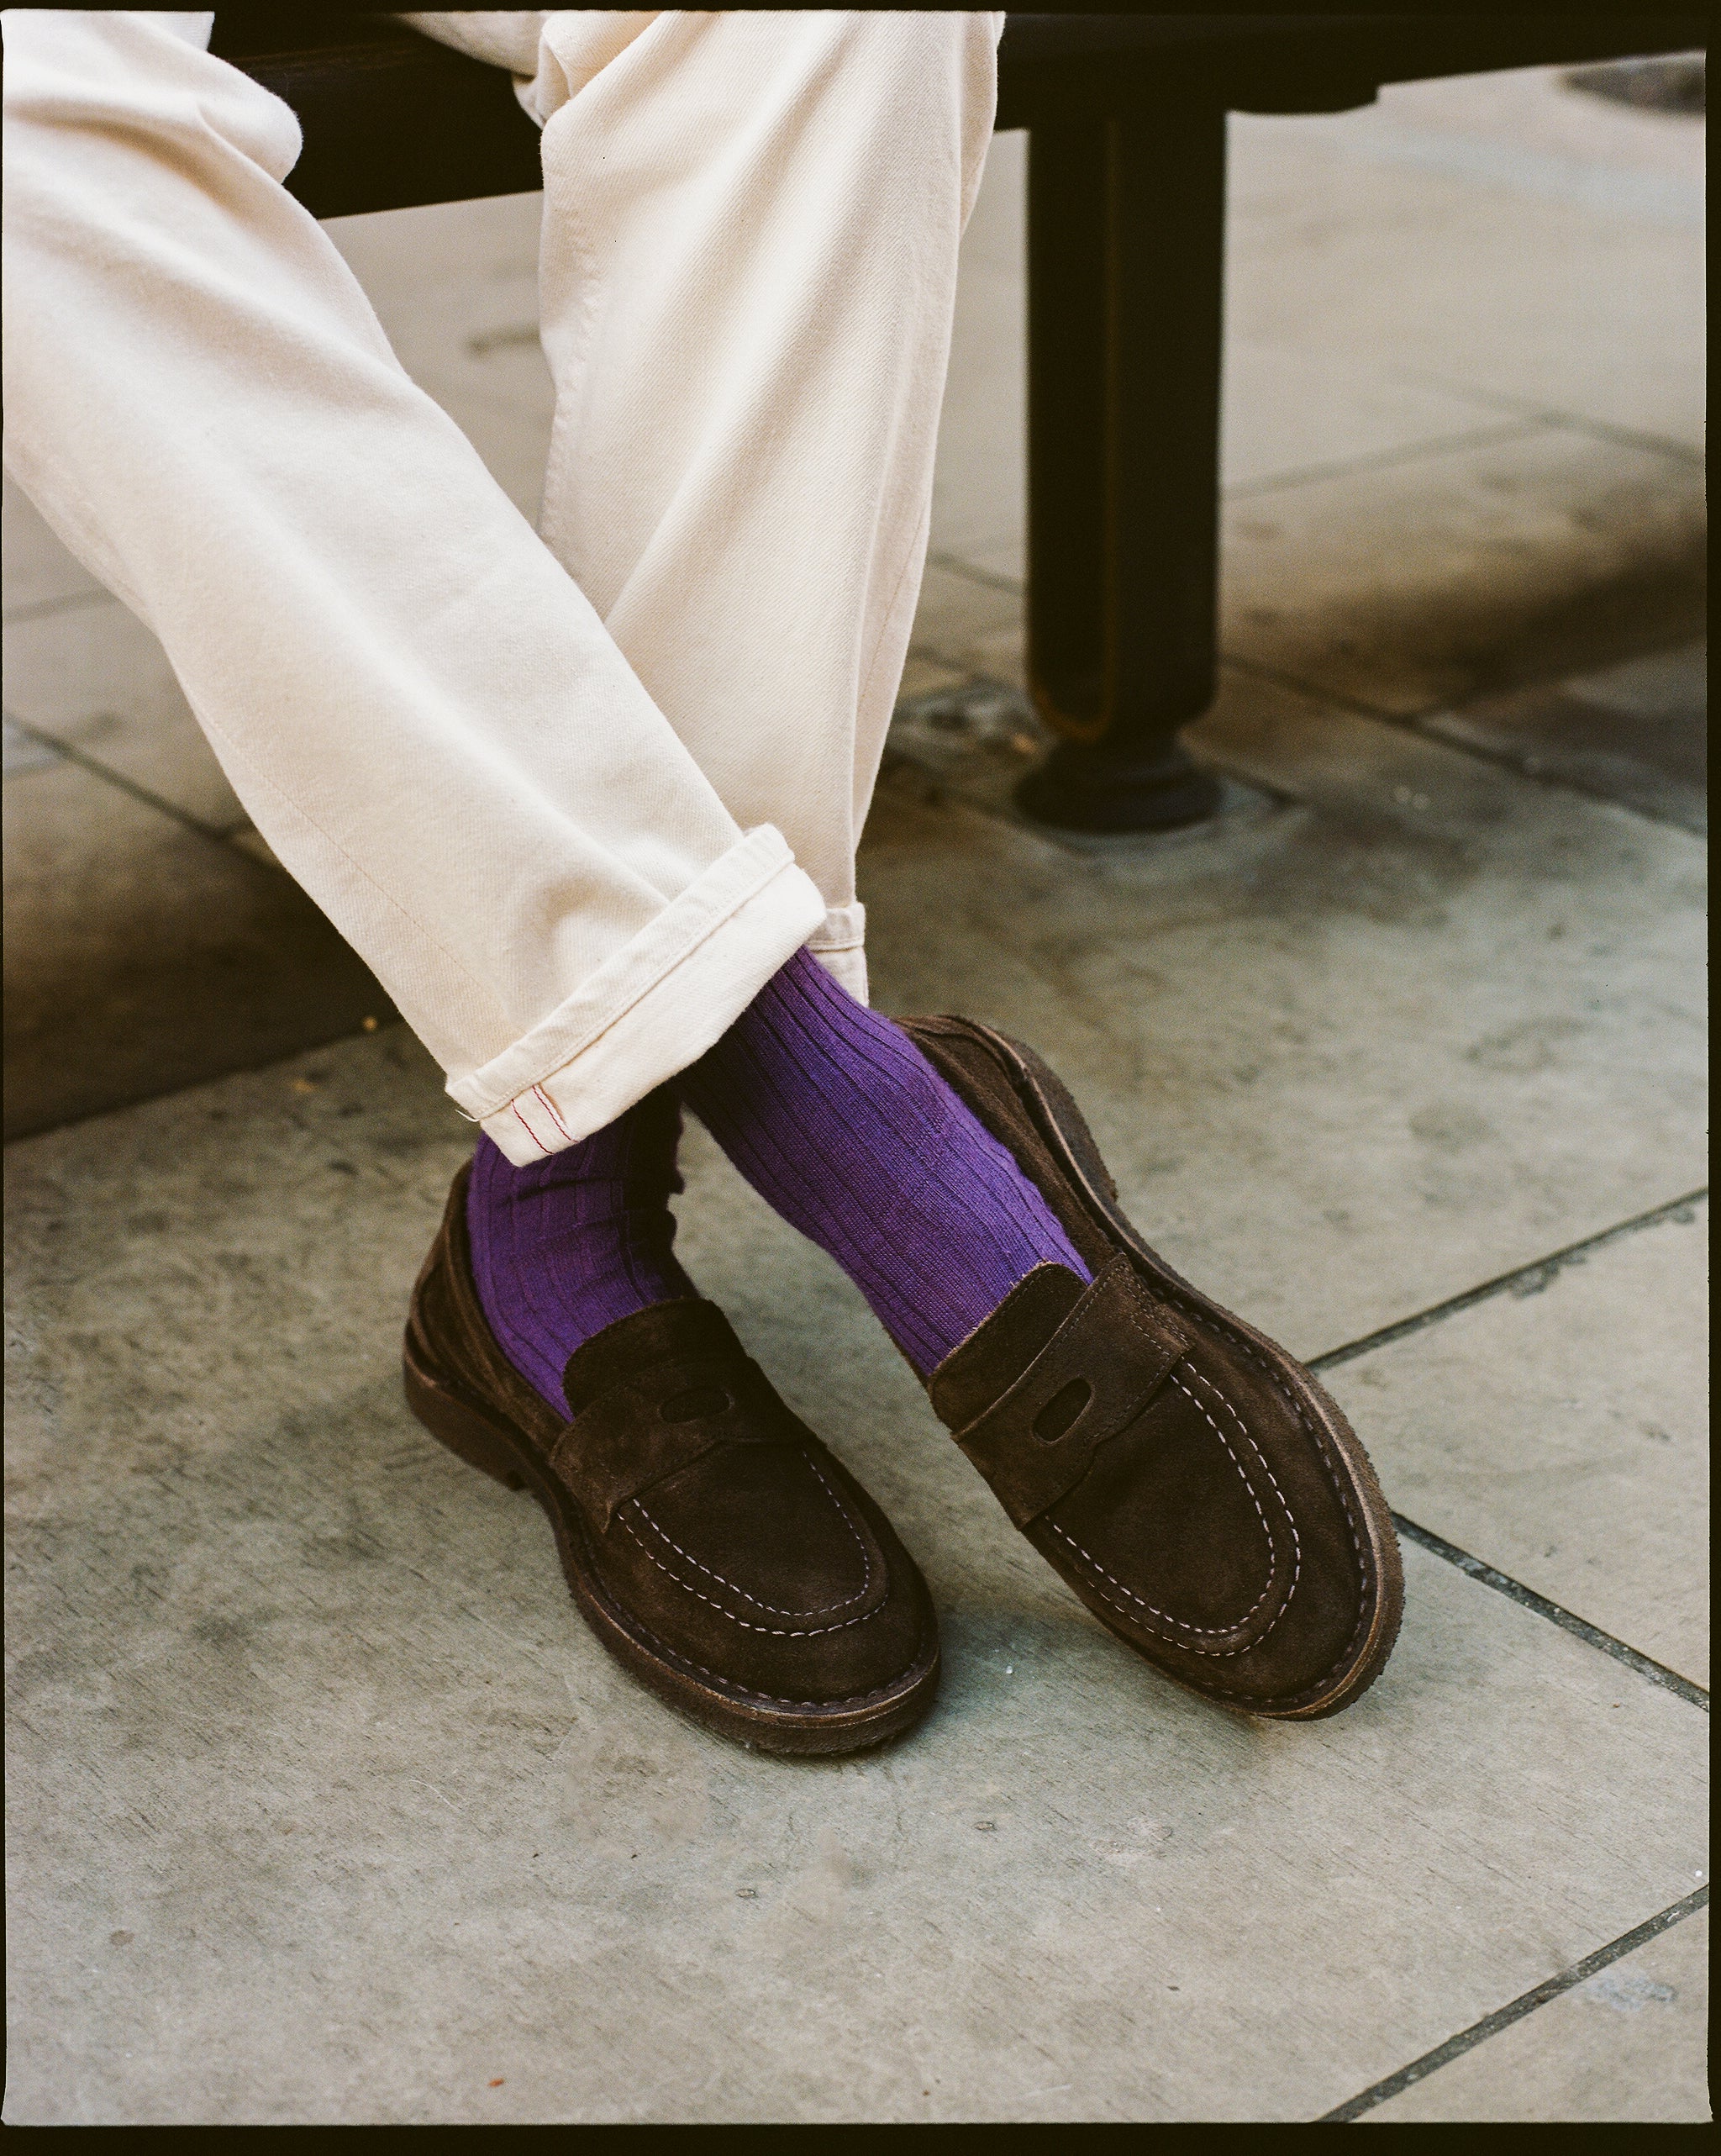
[1674, 85]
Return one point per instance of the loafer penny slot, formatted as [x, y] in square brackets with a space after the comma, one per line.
[1037, 1442]
[1062, 1411]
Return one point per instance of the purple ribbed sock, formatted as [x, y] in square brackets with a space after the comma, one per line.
[567, 1247]
[840, 1123]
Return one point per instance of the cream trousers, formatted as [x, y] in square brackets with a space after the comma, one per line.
[574, 794]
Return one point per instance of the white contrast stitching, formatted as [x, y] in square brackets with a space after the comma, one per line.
[1337, 1481]
[1267, 1469]
[773, 1632]
[1214, 1326]
[1171, 1290]
[824, 1609]
[1211, 1631]
[1179, 1296]
[1006, 1059]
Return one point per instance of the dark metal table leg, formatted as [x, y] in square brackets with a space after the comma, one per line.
[1126, 245]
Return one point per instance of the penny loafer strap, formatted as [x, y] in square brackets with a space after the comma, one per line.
[1092, 1380]
[644, 1429]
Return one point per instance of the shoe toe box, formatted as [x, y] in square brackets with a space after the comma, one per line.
[767, 1570]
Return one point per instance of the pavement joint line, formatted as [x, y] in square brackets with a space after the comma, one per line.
[1507, 429]
[1531, 1279]
[41, 610]
[1575, 423]
[1340, 700]
[1414, 726]
[1506, 759]
[361, 1032]
[993, 579]
[1514, 1590]
[142, 793]
[1527, 1279]
[1386, 459]
[1552, 416]
[1502, 2017]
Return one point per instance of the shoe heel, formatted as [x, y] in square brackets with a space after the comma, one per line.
[453, 1424]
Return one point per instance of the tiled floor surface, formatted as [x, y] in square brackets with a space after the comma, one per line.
[324, 1807]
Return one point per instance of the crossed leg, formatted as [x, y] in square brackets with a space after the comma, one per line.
[573, 798]
[581, 799]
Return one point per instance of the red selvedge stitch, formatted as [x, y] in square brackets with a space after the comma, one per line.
[527, 1128]
[554, 1117]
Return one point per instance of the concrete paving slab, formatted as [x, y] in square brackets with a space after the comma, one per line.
[40, 575]
[969, 621]
[24, 752]
[1287, 412]
[142, 956]
[334, 1813]
[1423, 583]
[1425, 1024]
[1602, 187]
[1637, 733]
[97, 680]
[978, 736]
[1535, 108]
[1534, 281]
[1630, 2044]
[454, 286]
[1292, 415]
[1495, 549]
[1560, 1432]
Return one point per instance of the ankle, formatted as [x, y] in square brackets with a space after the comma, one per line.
[569, 1246]
[841, 1124]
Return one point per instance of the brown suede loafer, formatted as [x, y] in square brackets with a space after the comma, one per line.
[711, 1542]
[1184, 1474]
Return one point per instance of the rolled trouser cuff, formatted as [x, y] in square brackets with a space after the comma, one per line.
[652, 1009]
[839, 946]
